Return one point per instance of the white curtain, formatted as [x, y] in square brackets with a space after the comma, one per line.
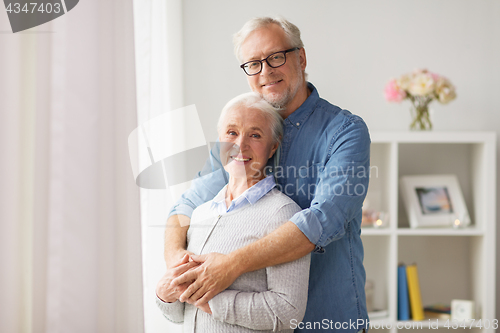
[70, 244]
[159, 65]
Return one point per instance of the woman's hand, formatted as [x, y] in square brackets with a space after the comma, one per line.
[216, 272]
[170, 294]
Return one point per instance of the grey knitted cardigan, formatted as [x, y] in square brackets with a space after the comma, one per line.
[268, 300]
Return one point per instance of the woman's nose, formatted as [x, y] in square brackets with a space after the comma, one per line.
[242, 141]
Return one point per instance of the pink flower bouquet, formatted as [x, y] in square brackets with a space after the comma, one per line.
[421, 87]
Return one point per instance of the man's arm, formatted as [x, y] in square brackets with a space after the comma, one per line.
[209, 181]
[285, 244]
[175, 239]
[218, 271]
[315, 227]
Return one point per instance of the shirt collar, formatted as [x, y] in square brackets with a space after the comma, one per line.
[305, 110]
[251, 195]
[254, 193]
[219, 198]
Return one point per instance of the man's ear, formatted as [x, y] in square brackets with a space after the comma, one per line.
[302, 59]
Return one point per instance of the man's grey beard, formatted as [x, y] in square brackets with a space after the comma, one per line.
[280, 105]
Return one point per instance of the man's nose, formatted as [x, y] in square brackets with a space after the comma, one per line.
[266, 69]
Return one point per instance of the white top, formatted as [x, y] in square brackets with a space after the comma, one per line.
[266, 300]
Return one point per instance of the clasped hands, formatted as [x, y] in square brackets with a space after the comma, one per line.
[196, 279]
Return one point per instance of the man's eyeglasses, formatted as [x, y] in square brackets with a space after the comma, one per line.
[275, 60]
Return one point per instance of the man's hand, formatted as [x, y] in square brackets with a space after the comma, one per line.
[216, 272]
[169, 294]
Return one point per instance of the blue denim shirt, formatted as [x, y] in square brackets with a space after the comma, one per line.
[323, 166]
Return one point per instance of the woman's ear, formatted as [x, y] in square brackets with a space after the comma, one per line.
[273, 150]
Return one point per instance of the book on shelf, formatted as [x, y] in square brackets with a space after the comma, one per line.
[403, 300]
[436, 315]
[438, 308]
[410, 298]
[437, 311]
[417, 310]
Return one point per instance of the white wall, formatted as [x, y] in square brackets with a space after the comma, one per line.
[353, 48]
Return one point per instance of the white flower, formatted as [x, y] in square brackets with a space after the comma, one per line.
[404, 82]
[421, 84]
[421, 87]
[445, 91]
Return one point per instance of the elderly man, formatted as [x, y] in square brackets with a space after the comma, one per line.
[322, 164]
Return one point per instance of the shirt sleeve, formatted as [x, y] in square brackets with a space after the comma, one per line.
[340, 188]
[208, 182]
[172, 311]
[275, 309]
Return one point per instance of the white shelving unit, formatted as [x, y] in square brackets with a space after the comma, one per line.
[452, 263]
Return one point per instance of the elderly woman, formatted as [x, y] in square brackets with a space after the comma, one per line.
[245, 210]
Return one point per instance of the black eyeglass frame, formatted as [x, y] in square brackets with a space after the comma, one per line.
[265, 59]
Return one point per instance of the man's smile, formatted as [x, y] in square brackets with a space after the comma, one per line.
[272, 83]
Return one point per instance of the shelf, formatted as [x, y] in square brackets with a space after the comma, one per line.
[469, 231]
[453, 263]
[433, 137]
[375, 231]
[378, 273]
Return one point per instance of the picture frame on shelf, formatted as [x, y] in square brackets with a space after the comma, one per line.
[434, 201]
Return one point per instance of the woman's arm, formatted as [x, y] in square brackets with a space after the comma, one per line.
[167, 296]
[275, 309]
[174, 312]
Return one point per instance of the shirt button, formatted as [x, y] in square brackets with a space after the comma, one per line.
[298, 124]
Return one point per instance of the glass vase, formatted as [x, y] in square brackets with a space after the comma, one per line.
[421, 120]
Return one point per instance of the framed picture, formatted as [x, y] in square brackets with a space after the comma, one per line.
[434, 201]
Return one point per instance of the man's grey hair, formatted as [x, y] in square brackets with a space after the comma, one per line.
[253, 100]
[291, 31]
